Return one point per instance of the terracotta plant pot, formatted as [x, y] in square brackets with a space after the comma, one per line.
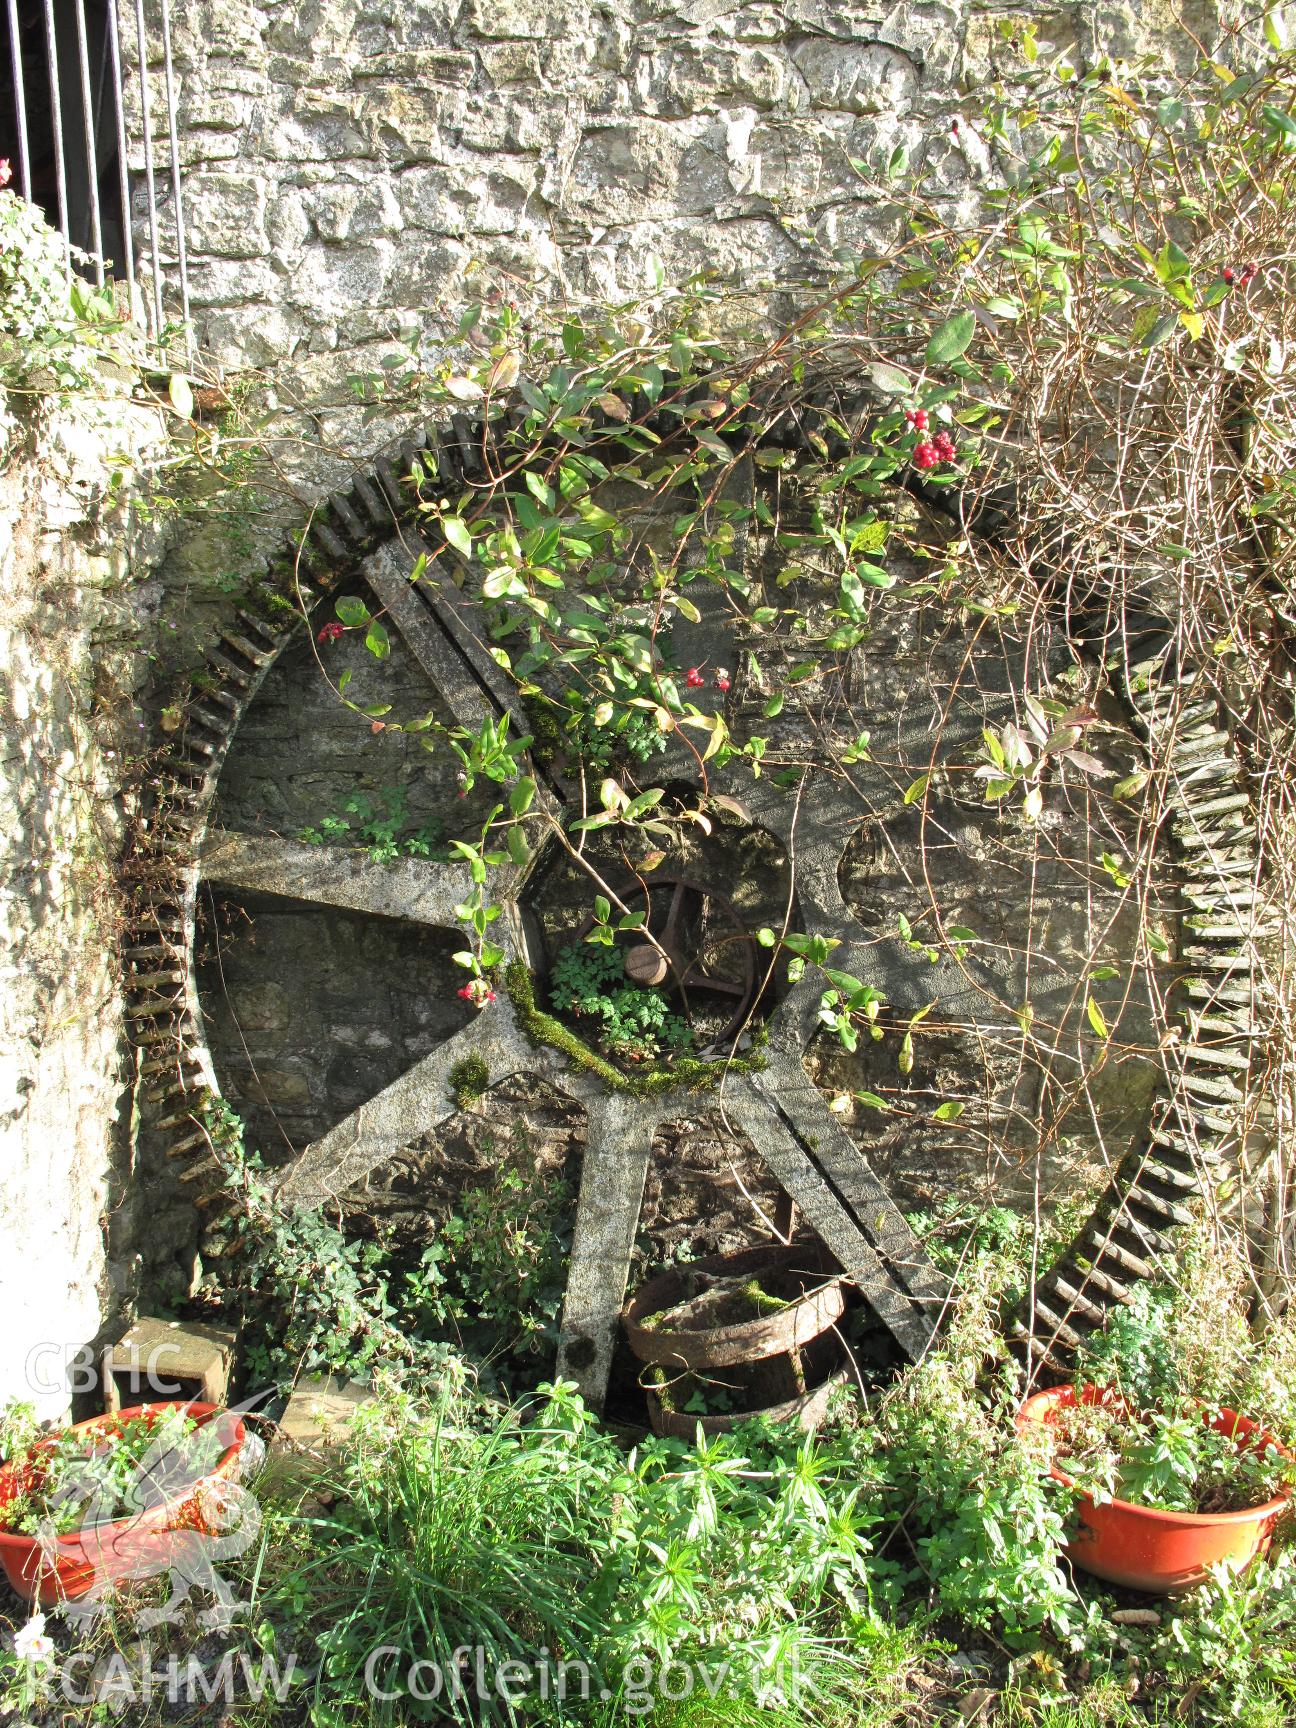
[142, 1546]
[1145, 1549]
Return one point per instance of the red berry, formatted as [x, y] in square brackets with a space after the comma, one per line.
[917, 418]
[694, 678]
[1249, 273]
[944, 447]
[722, 681]
[925, 455]
[1227, 273]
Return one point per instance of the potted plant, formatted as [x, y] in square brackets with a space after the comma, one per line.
[102, 1500]
[1163, 1493]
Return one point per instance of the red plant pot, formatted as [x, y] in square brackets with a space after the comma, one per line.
[145, 1545]
[1145, 1549]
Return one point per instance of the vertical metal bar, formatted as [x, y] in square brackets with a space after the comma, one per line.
[56, 104]
[182, 256]
[92, 154]
[148, 168]
[123, 167]
[20, 101]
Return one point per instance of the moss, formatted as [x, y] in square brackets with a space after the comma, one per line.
[685, 1072]
[542, 718]
[467, 1080]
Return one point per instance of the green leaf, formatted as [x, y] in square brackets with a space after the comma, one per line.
[951, 340]
[377, 641]
[519, 851]
[1096, 1020]
[181, 395]
[353, 612]
[501, 581]
[872, 1099]
[602, 908]
[539, 491]
[949, 1112]
[844, 981]
[521, 796]
[457, 534]
[1280, 122]
[916, 789]
[889, 378]
[1162, 330]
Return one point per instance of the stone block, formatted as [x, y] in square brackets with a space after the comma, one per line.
[225, 282]
[510, 63]
[419, 66]
[226, 215]
[856, 77]
[160, 1359]
[315, 1422]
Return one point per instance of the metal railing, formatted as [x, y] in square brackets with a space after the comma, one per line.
[74, 75]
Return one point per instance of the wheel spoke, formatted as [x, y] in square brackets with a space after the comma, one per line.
[387, 573]
[827, 1176]
[695, 980]
[410, 888]
[403, 1111]
[673, 916]
[618, 1146]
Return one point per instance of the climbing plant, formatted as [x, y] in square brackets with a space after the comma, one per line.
[1084, 398]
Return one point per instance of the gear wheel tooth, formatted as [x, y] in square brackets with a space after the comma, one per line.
[1166, 1212]
[1076, 1299]
[1113, 1291]
[465, 435]
[1107, 1247]
[349, 521]
[269, 632]
[332, 548]
[390, 479]
[1041, 1353]
[368, 499]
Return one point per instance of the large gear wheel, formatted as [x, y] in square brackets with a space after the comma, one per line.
[828, 1160]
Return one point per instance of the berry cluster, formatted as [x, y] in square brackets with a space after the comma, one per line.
[695, 679]
[1243, 277]
[932, 452]
[331, 632]
[478, 992]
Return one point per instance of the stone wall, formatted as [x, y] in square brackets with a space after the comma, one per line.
[353, 169]
[71, 661]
